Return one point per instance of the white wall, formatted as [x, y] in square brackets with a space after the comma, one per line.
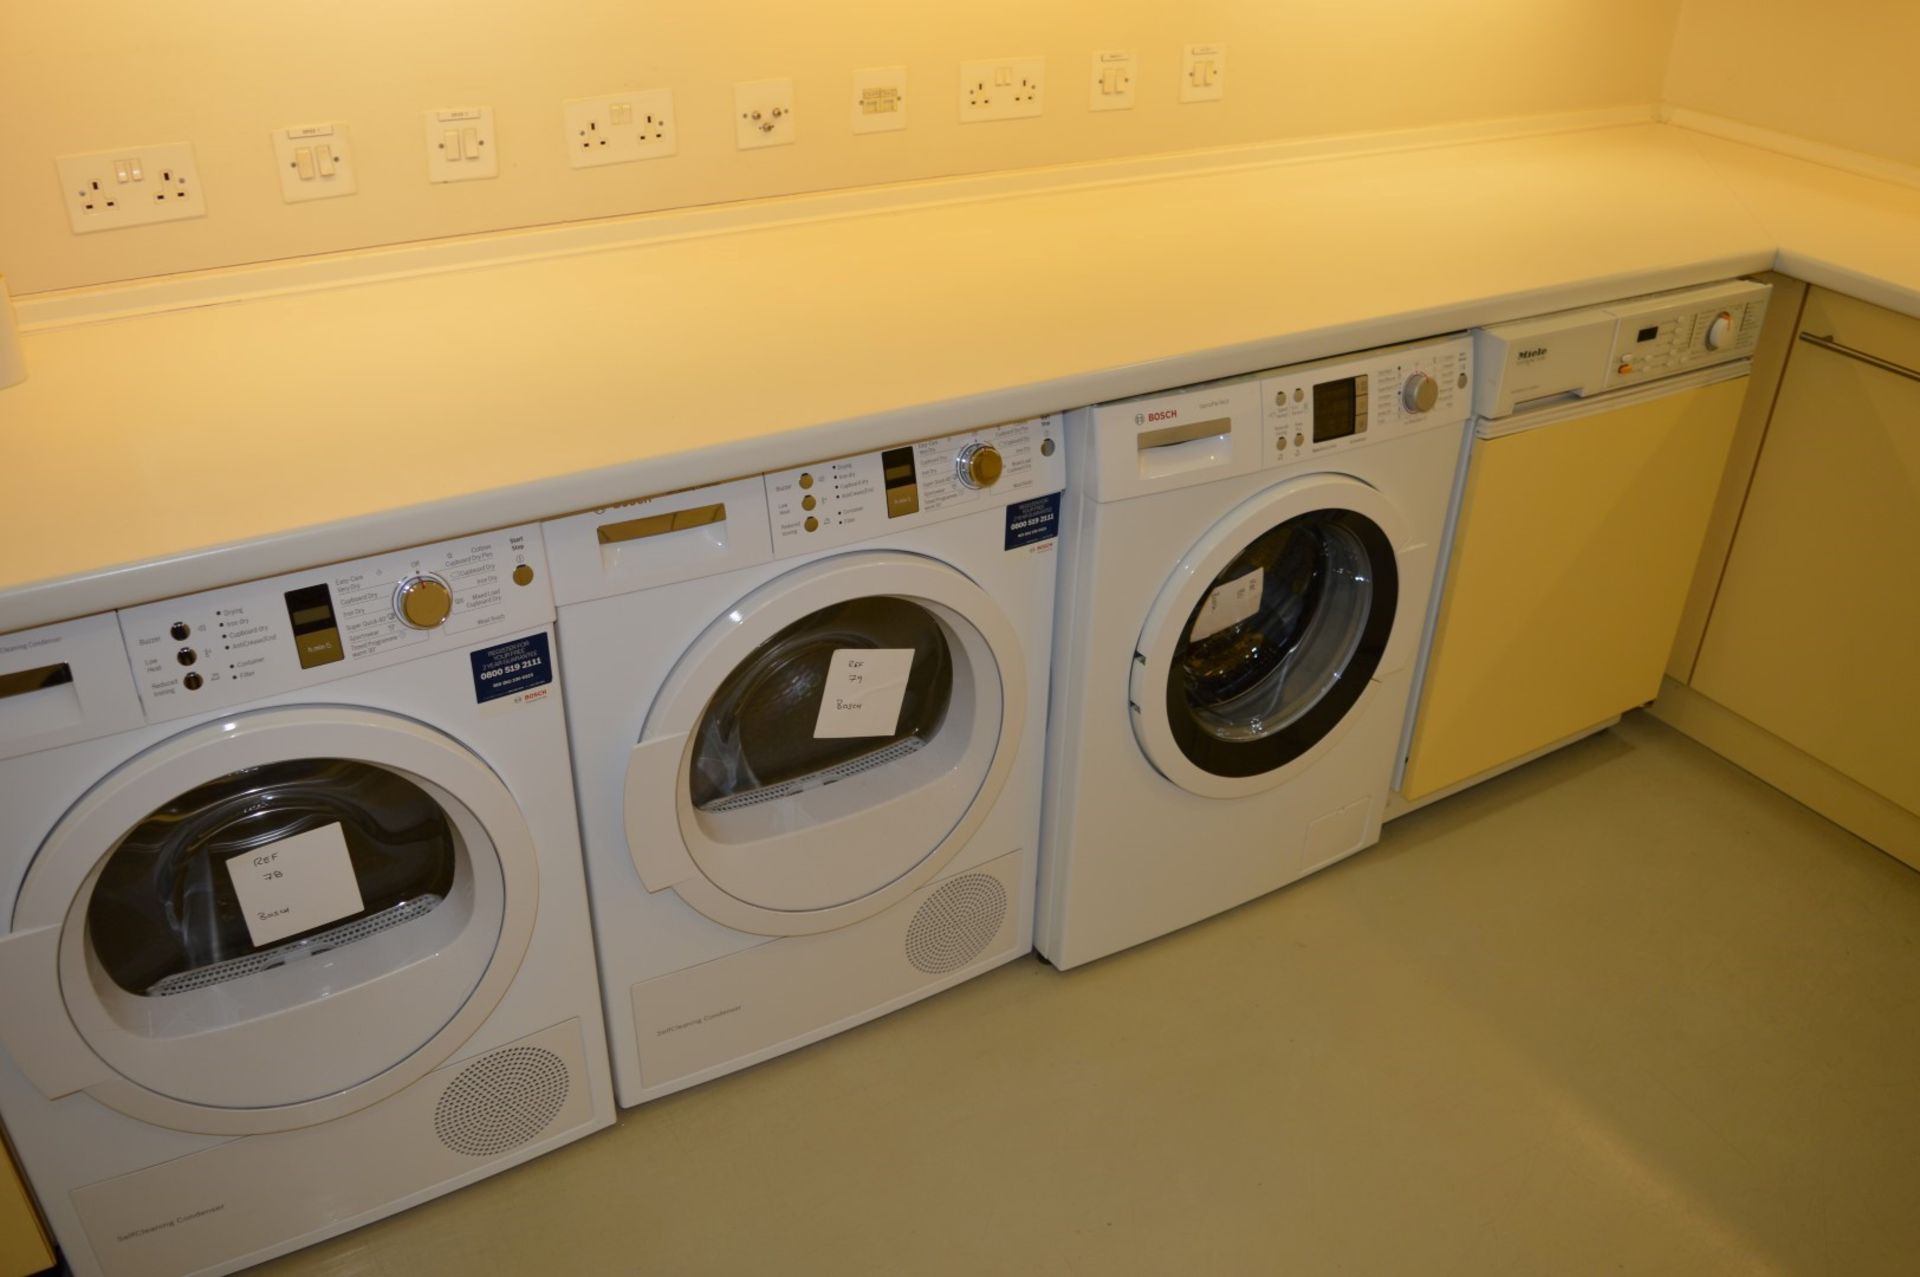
[1842, 72]
[222, 73]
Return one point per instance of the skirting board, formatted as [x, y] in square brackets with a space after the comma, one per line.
[1806, 780]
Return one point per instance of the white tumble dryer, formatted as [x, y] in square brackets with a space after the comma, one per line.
[1247, 572]
[807, 712]
[297, 933]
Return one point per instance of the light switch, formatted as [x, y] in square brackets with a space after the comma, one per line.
[316, 162]
[1203, 73]
[1113, 72]
[460, 144]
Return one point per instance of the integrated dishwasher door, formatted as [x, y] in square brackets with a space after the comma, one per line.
[1572, 553]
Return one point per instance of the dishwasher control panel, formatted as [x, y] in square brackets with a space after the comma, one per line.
[1582, 352]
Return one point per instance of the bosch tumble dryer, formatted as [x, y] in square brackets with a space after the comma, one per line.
[807, 713]
[296, 928]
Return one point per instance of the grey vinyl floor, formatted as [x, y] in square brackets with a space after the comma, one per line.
[1625, 1010]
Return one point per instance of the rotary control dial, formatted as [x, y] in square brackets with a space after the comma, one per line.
[1420, 393]
[1719, 330]
[979, 465]
[423, 601]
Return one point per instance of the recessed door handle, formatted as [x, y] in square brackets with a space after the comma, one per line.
[1841, 348]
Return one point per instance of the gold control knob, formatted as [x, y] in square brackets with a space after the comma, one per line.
[1420, 393]
[423, 602]
[979, 465]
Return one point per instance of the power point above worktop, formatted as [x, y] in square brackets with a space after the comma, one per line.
[153, 75]
[135, 185]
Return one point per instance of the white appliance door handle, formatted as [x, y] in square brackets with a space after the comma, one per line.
[653, 812]
[34, 1026]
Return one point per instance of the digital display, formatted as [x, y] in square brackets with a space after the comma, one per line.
[902, 484]
[1336, 409]
[316, 635]
[1648, 334]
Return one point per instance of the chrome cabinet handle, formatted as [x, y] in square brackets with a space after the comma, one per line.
[1839, 348]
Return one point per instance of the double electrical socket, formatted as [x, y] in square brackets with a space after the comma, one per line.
[132, 186]
[619, 128]
[1002, 89]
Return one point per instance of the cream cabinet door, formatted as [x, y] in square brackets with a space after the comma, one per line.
[1570, 563]
[1815, 633]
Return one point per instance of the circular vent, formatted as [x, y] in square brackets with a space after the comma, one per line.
[501, 1100]
[955, 923]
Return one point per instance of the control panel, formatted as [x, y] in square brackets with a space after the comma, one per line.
[1575, 353]
[246, 642]
[1673, 333]
[1335, 404]
[831, 503]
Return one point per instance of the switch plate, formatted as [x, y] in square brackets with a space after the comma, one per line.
[460, 144]
[1002, 89]
[620, 128]
[763, 114]
[131, 186]
[316, 162]
[1113, 74]
[879, 99]
[1203, 73]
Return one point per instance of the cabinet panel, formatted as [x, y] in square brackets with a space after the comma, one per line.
[1815, 634]
[23, 1246]
[1570, 564]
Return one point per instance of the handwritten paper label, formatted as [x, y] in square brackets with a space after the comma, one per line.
[296, 884]
[865, 686]
[1229, 604]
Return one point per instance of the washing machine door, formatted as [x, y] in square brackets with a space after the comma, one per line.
[1263, 645]
[268, 921]
[827, 744]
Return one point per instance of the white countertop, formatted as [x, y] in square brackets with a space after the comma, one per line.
[170, 452]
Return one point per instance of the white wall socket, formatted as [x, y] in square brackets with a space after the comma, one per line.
[1203, 73]
[460, 144]
[1112, 87]
[879, 99]
[316, 162]
[763, 114]
[131, 186]
[620, 128]
[1002, 89]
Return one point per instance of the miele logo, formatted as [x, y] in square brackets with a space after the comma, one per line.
[1528, 356]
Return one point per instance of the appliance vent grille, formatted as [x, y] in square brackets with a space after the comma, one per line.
[956, 923]
[825, 776]
[310, 947]
[501, 1101]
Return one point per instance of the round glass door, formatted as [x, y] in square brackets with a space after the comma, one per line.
[827, 744]
[166, 917]
[760, 737]
[273, 919]
[1282, 643]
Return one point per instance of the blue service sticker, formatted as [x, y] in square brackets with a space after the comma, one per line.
[1035, 520]
[507, 668]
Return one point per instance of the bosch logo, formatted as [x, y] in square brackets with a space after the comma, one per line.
[1166, 414]
[1538, 352]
